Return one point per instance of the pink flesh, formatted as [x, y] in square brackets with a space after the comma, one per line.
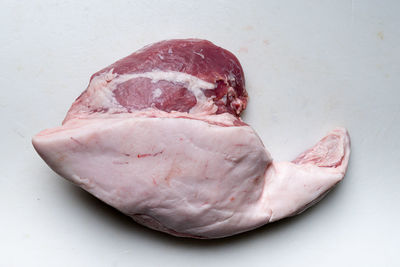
[130, 95]
[170, 151]
[198, 58]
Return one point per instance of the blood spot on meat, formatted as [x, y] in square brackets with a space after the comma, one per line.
[149, 154]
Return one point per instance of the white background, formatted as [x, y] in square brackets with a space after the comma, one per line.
[309, 65]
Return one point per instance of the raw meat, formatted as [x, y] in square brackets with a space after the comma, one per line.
[158, 136]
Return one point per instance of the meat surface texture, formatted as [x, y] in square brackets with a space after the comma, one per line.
[158, 136]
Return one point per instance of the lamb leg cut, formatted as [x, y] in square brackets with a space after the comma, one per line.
[158, 136]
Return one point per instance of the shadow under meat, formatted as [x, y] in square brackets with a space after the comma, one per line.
[118, 220]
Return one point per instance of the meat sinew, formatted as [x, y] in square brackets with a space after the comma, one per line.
[158, 136]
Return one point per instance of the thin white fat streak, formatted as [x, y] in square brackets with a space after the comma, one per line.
[199, 54]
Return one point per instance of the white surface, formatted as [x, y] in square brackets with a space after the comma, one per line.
[310, 66]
